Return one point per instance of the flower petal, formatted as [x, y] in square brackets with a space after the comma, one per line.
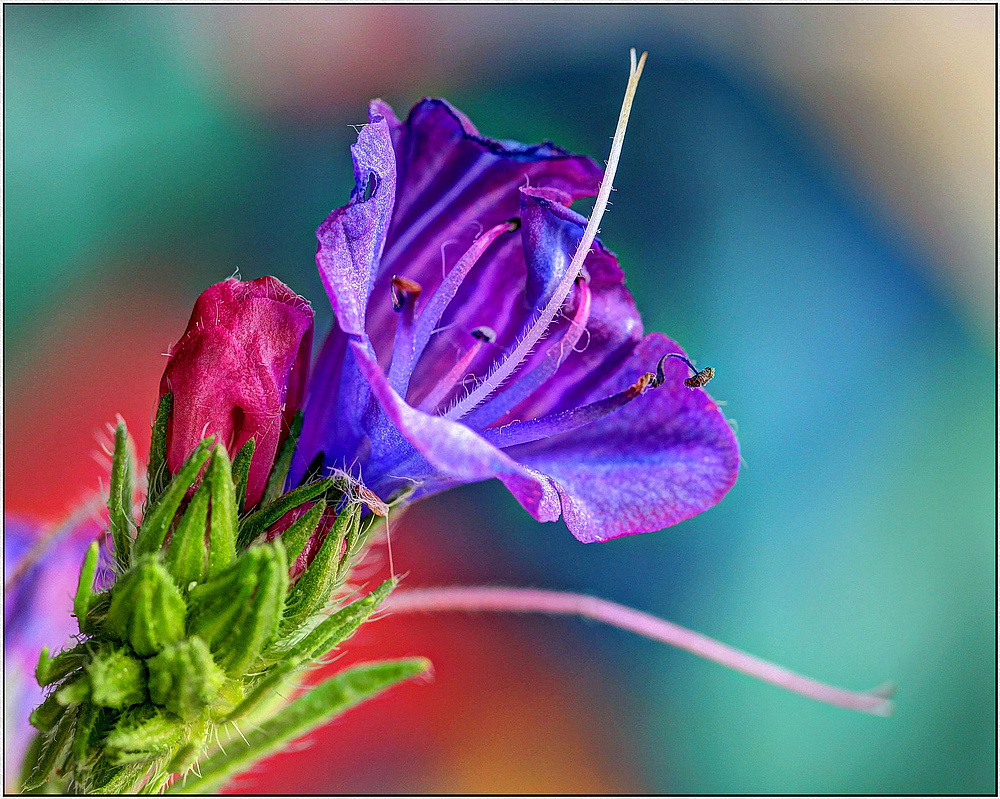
[324, 428]
[455, 453]
[663, 458]
[352, 238]
[38, 611]
[238, 372]
[452, 184]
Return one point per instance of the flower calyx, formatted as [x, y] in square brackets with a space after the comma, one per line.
[212, 613]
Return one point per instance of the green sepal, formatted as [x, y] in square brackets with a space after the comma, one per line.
[330, 632]
[147, 609]
[258, 521]
[333, 630]
[184, 758]
[45, 717]
[283, 463]
[309, 711]
[97, 613]
[216, 603]
[186, 554]
[230, 695]
[344, 623]
[74, 691]
[117, 680]
[157, 473]
[258, 623]
[241, 471]
[315, 586]
[238, 613]
[184, 679]
[301, 530]
[86, 721]
[110, 778]
[85, 587]
[52, 669]
[120, 498]
[187, 755]
[222, 533]
[50, 753]
[143, 734]
[158, 516]
[31, 755]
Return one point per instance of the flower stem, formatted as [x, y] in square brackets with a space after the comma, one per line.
[528, 600]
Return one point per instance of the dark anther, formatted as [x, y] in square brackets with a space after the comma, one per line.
[403, 289]
[515, 224]
[697, 380]
[484, 333]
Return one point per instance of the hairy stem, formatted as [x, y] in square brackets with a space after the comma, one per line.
[528, 600]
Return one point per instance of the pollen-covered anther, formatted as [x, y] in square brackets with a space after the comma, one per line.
[404, 291]
[699, 379]
[372, 500]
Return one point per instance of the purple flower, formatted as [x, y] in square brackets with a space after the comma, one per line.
[438, 269]
[38, 606]
[239, 371]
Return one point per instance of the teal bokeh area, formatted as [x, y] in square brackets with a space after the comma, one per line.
[779, 213]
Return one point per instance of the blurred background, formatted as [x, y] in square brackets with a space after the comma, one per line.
[806, 202]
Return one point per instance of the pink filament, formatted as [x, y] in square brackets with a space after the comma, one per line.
[446, 384]
[435, 307]
[528, 600]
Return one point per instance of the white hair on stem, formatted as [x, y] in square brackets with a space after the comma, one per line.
[555, 303]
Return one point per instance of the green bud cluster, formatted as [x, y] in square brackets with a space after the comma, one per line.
[203, 628]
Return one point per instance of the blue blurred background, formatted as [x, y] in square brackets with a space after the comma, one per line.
[806, 202]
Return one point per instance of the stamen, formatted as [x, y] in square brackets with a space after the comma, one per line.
[555, 356]
[435, 307]
[403, 290]
[541, 325]
[515, 433]
[559, 603]
[697, 380]
[444, 386]
[404, 302]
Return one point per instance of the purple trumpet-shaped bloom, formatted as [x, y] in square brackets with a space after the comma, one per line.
[437, 268]
[239, 372]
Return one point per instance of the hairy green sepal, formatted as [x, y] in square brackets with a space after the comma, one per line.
[208, 625]
[330, 698]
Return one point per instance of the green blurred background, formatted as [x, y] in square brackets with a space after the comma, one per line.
[806, 201]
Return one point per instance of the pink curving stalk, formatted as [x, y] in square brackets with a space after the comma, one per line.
[559, 603]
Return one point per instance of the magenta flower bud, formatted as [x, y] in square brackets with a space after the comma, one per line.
[239, 372]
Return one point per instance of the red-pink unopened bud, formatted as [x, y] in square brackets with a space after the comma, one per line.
[239, 372]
